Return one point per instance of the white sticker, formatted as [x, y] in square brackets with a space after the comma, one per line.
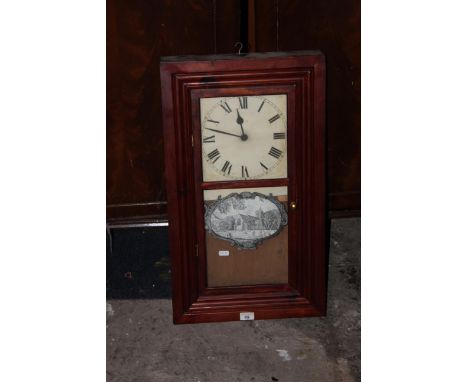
[223, 253]
[247, 316]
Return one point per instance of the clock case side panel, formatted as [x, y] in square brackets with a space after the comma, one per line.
[193, 302]
[179, 181]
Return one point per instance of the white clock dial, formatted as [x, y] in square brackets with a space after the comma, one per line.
[244, 137]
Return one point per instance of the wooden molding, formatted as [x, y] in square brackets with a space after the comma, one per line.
[184, 81]
[132, 211]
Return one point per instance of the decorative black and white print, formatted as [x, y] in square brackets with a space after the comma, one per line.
[245, 219]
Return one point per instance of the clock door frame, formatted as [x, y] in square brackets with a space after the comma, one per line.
[241, 88]
[184, 80]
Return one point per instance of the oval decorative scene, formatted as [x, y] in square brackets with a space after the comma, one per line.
[245, 219]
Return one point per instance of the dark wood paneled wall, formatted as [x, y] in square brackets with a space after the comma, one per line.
[139, 32]
[333, 26]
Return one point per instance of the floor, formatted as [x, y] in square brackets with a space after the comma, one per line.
[143, 345]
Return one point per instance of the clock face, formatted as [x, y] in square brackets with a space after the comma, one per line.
[244, 137]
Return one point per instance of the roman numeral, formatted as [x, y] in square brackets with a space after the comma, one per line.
[210, 139]
[226, 107]
[265, 167]
[210, 120]
[260, 108]
[274, 152]
[227, 167]
[214, 155]
[245, 173]
[279, 135]
[273, 119]
[243, 102]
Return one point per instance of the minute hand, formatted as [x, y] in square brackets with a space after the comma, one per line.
[223, 132]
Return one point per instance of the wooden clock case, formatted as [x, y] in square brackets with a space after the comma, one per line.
[186, 79]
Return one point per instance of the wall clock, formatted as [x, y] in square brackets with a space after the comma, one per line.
[245, 172]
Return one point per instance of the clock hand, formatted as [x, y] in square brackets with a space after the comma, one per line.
[240, 121]
[223, 132]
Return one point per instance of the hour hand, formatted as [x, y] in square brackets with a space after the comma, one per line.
[223, 132]
[239, 120]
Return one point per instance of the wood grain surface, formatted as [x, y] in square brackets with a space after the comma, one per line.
[333, 26]
[139, 32]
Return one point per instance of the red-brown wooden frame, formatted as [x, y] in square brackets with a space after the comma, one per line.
[184, 80]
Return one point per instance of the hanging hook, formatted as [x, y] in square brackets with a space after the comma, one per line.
[241, 46]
